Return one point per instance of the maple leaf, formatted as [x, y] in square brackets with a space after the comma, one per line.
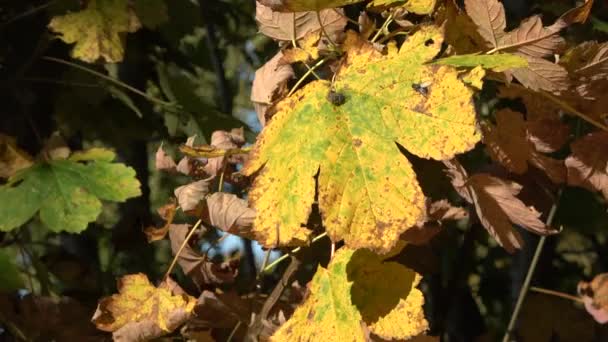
[348, 293]
[595, 295]
[588, 163]
[496, 205]
[270, 82]
[510, 144]
[140, 303]
[368, 193]
[294, 26]
[530, 40]
[97, 30]
[437, 212]
[12, 158]
[189, 196]
[164, 162]
[305, 5]
[66, 191]
[498, 62]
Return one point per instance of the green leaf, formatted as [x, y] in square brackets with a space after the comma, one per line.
[97, 30]
[599, 25]
[66, 192]
[10, 277]
[151, 13]
[358, 287]
[497, 62]
[367, 190]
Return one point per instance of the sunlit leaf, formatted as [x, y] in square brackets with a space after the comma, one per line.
[349, 292]
[368, 193]
[138, 301]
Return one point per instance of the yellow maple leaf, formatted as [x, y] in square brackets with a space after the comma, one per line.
[347, 298]
[367, 190]
[137, 301]
[97, 30]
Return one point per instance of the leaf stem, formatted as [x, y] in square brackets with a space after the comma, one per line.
[387, 22]
[319, 63]
[181, 248]
[287, 255]
[556, 294]
[526, 285]
[112, 80]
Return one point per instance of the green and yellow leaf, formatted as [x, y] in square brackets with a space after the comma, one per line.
[368, 192]
[138, 301]
[66, 192]
[498, 62]
[347, 298]
[97, 30]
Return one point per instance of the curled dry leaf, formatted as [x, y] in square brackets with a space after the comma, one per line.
[163, 161]
[305, 5]
[141, 311]
[12, 158]
[595, 297]
[167, 213]
[496, 205]
[189, 196]
[366, 25]
[270, 83]
[281, 26]
[230, 214]
[225, 140]
[588, 163]
[197, 266]
[437, 212]
[509, 143]
[55, 148]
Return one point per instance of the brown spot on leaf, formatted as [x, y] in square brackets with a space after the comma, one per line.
[357, 142]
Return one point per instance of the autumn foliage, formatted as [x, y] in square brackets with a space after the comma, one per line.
[392, 132]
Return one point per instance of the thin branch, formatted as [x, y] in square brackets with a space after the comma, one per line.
[110, 79]
[556, 294]
[181, 248]
[319, 63]
[526, 285]
[285, 256]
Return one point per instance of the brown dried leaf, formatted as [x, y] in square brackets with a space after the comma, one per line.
[270, 83]
[489, 16]
[543, 41]
[12, 158]
[189, 196]
[230, 214]
[496, 205]
[280, 26]
[305, 5]
[587, 58]
[221, 310]
[224, 140]
[595, 297]
[547, 134]
[167, 213]
[197, 266]
[163, 161]
[55, 148]
[437, 212]
[588, 163]
[542, 75]
[508, 144]
[366, 25]
[460, 31]
[537, 107]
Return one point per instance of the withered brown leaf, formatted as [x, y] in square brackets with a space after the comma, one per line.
[230, 214]
[489, 16]
[270, 83]
[197, 266]
[588, 163]
[496, 205]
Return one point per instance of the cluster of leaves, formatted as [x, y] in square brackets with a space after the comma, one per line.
[349, 111]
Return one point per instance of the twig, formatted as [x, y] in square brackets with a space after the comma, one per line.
[110, 79]
[526, 285]
[285, 256]
[311, 70]
[181, 248]
[234, 330]
[209, 151]
[258, 324]
[556, 294]
[384, 26]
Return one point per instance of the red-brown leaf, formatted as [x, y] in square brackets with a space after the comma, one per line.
[588, 163]
[595, 297]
